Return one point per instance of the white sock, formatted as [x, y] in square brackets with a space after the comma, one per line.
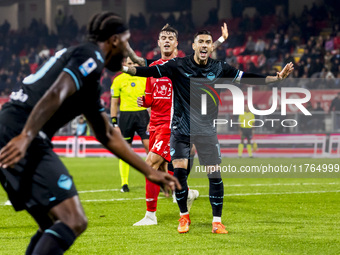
[150, 214]
[186, 213]
[216, 219]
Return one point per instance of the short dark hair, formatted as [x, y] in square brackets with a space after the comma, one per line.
[202, 32]
[169, 28]
[105, 24]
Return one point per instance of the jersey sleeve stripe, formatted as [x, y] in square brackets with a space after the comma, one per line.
[238, 71]
[73, 77]
[159, 71]
[238, 79]
[102, 109]
[238, 76]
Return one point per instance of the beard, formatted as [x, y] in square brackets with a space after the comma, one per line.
[114, 62]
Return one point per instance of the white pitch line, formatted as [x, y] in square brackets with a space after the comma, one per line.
[226, 195]
[232, 185]
[98, 190]
[271, 184]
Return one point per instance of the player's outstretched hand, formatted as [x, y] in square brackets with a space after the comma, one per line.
[140, 101]
[224, 30]
[13, 151]
[165, 180]
[287, 70]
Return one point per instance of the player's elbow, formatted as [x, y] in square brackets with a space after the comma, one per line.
[104, 136]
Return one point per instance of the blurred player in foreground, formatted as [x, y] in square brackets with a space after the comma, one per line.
[127, 89]
[189, 126]
[65, 86]
[246, 131]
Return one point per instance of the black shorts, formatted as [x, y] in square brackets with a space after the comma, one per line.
[208, 148]
[39, 180]
[131, 122]
[246, 133]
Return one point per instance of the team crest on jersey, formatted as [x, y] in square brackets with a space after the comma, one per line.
[133, 84]
[162, 91]
[211, 76]
[87, 67]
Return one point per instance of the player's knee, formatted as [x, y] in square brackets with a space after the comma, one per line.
[154, 160]
[180, 163]
[152, 163]
[76, 220]
[215, 175]
[78, 224]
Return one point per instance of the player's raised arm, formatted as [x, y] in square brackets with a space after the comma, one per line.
[223, 37]
[286, 71]
[63, 87]
[133, 56]
[255, 79]
[114, 142]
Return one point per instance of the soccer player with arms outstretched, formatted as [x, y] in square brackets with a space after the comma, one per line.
[64, 87]
[158, 96]
[189, 126]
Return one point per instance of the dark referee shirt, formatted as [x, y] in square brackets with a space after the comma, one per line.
[191, 81]
[84, 63]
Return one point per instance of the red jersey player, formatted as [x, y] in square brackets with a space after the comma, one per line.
[158, 96]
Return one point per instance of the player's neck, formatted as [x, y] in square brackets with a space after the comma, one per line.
[168, 57]
[199, 61]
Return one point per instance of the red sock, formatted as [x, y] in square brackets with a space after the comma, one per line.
[151, 194]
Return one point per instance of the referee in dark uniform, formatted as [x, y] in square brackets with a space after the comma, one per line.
[66, 86]
[192, 77]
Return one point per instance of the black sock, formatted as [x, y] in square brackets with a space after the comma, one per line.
[190, 162]
[171, 168]
[182, 195]
[55, 240]
[33, 242]
[216, 193]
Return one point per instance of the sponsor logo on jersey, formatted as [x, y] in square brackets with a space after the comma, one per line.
[133, 84]
[87, 67]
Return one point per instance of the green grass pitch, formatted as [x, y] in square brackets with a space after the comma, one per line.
[263, 216]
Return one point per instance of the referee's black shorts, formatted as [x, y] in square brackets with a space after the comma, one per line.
[246, 133]
[39, 180]
[131, 122]
[208, 148]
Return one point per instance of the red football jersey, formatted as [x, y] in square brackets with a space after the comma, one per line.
[158, 96]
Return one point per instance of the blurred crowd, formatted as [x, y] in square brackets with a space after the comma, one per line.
[22, 52]
[261, 44]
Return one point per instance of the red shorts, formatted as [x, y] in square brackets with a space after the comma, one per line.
[159, 143]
